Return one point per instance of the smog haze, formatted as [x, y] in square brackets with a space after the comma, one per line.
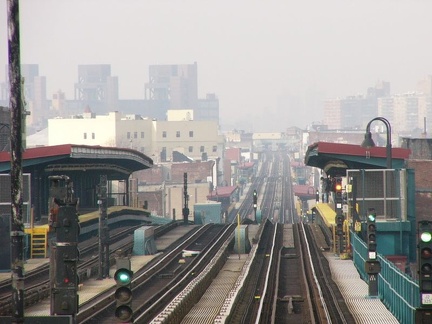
[270, 63]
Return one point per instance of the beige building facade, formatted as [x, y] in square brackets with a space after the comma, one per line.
[151, 137]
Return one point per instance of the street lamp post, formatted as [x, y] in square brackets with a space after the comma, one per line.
[368, 141]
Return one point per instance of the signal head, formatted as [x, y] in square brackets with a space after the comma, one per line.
[123, 277]
[426, 236]
[124, 313]
[426, 253]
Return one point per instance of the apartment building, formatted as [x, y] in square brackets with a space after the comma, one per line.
[198, 140]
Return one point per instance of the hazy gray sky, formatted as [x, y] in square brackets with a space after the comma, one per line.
[269, 62]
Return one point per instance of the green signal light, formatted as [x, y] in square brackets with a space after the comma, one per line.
[123, 276]
[371, 217]
[426, 237]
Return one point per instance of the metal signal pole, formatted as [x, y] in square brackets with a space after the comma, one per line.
[186, 199]
[16, 108]
[103, 228]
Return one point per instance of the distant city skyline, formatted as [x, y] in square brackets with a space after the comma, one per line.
[271, 64]
[332, 113]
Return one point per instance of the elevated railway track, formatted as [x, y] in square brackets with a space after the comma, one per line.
[286, 276]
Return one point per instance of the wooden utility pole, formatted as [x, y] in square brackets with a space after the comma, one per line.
[16, 108]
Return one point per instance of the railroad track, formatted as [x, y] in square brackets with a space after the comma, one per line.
[37, 282]
[332, 307]
[155, 287]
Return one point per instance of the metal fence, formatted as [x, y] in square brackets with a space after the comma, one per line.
[396, 290]
[385, 190]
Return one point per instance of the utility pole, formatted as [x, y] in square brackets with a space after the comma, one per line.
[16, 108]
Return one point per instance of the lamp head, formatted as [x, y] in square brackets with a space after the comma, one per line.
[368, 141]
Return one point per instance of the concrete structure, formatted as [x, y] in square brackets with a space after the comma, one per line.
[158, 139]
[206, 213]
[349, 112]
[34, 91]
[268, 141]
[405, 112]
[354, 111]
[208, 108]
[410, 114]
[425, 113]
[421, 161]
[96, 87]
[162, 188]
[167, 199]
[176, 84]
[144, 242]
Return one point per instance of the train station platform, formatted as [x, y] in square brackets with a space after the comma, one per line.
[29, 265]
[327, 213]
[354, 290]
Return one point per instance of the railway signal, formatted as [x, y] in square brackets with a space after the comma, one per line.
[372, 265]
[339, 224]
[371, 234]
[338, 194]
[425, 263]
[64, 253]
[123, 293]
[255, 199]
[103, 187]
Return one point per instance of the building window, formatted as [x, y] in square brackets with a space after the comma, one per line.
[163, 154]
[142, 134]
[178, 134]
[164, 134]
[135, 134]
[214, 148]
[190, 133]
[201, 148]
[93, 135]
[128, 135]
[190, 149]
[85, 135]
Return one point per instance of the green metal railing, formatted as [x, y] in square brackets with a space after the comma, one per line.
[396, 290]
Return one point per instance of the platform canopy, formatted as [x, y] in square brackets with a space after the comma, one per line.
[84, 164]
[336, 158]
[118, 162]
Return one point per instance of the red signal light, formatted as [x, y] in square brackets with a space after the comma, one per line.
[66, 280]
[426, 253]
